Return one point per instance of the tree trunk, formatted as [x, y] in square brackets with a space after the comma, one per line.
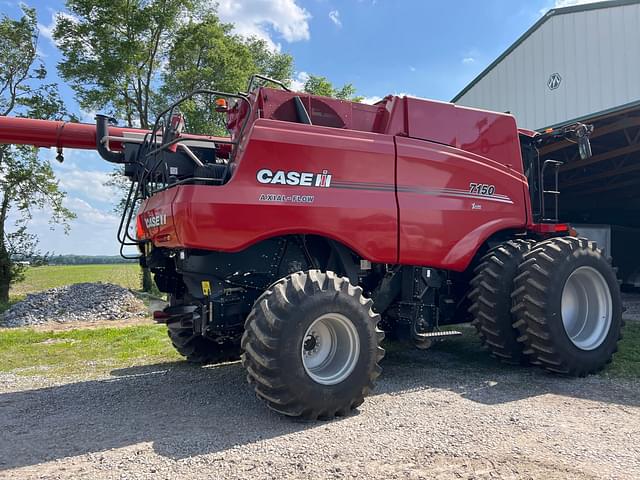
[147, 281]
[5, 258]
[5, 273]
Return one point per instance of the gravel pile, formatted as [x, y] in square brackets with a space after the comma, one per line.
[74, 303]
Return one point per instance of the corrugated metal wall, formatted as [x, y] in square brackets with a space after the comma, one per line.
[596, 53]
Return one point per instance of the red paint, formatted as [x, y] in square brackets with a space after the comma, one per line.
[231, 217]
[401, 189]
[440, 224]
[50, 133]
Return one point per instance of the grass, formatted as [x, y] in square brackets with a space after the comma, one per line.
[467, 352]
[43, 278]
[626, 363]
[95, 351]
[28, 352]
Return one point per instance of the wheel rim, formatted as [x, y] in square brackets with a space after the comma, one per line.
[330, 349]
[586, 308]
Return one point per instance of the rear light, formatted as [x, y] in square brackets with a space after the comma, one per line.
[139, 228]
[547, 228]
[160, 316]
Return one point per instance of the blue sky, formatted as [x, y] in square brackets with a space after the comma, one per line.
[423, 48]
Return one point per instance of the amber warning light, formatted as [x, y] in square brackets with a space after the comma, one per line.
[221, 105]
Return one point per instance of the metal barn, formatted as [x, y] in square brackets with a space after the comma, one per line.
[581, 63]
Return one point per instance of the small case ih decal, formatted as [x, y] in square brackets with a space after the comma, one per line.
[155, 220]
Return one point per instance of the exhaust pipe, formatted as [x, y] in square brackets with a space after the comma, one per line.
[102, 140]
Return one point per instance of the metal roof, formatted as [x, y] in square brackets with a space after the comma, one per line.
[551, 13]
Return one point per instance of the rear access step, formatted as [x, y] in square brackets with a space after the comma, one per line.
[185, 314]
[439, 334]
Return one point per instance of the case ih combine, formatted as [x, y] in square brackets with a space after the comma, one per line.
[319, 224]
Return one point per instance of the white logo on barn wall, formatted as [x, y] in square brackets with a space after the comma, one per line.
[554, 81]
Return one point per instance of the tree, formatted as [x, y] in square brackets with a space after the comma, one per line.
[113, 52]
[27, 183]
[121, 184]
[130, 58]
[317, 85]
[112, 56]
[206, 54]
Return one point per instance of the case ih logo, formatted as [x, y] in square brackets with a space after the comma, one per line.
[155, 220]
[554, 81]
[303, 179]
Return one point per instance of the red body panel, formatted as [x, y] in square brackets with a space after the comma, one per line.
[442, 223]
[392, 199]
[393, 181]
[232, 216]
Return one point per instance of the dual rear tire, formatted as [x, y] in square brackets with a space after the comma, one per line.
[491, 305]
[567, 306]
[554, 303]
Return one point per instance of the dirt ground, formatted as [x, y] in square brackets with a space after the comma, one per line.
[434, 415]
[437, 414]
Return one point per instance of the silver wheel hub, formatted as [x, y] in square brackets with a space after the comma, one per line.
[587, 308]
[330, 349]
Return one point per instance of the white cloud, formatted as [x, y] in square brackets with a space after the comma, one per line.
[93, 232]
[89, 215]
[334, 16]
[297, 83]
[564, 3]
[47, 30]
[375, 98]
[263, 18]
[90, 184]
[84, 174]
[371, 100]
[468, 60]
[88, 116]
[570, 3]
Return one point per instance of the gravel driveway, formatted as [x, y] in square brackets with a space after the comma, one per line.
[434, 415]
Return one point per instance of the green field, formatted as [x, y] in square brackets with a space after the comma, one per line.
[88, 351]
[96, 351]
[43, 278]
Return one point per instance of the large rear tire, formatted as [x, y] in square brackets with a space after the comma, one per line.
[490, 297]
[202, 350]
[312, 346]
[568, 306]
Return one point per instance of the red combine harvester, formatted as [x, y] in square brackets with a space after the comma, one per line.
[318, 224]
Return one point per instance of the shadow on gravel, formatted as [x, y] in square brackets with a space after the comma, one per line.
[185, 410]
